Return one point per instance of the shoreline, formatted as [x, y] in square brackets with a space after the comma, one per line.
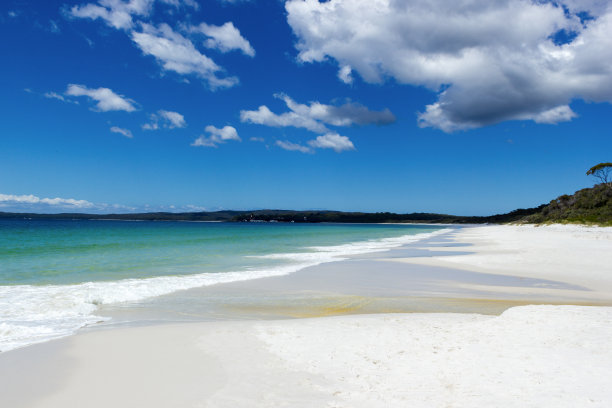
[80, 303]
[353, 359]
[408, 279]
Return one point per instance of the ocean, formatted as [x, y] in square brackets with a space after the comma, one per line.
[54, 274]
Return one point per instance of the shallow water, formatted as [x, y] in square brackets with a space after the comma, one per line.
[54, 275]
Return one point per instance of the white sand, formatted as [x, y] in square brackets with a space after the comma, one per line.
[530, 356]
[572, 254]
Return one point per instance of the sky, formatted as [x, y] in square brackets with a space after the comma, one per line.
[466, 107]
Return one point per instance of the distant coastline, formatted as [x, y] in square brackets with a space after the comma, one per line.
[587, 206]
[287, 216]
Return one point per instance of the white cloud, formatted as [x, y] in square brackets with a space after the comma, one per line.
[316, 115]
[332, 141]
[119, 13]
[177, 53]
[173, 51]
[555, 115]
[153, 125]
[32, 203]
[264, 116]
[10, 200]
[121, 131]
[224, 38]
[257, 139]
[106, 99]
[217, 136]
[175, 119]
[286, 145]
[194, 208]
[345, 74]
[488, 61]
[55, 95]
[177, 3]
[116, 13]
[168, 119]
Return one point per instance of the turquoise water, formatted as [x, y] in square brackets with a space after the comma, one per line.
[55, 273]
[37, 252]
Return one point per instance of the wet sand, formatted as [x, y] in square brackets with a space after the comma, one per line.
[412, 279]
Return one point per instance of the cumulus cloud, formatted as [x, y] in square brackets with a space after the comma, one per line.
[176, 53]
[225, 38]
[106, 99]
[488, 61]
[119, 13]
[332, 141]
[165, 119]
[12, 200]
[55, 95]
[217, 136]
[177, 3]
[286, 145]
[345, 74]
[172, 50]
[555, 115]
[121, 131]
[316, 116]
[115, 13]
[264, 116]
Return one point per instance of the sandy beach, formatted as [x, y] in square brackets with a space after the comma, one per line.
[531, 327]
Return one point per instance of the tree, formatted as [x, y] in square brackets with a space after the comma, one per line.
[603, 171]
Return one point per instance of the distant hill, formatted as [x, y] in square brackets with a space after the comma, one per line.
[288, 216]
[589, 206]
[380, 217]
[153, 216]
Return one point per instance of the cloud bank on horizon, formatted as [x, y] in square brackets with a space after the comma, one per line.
[488, 62]
[33, 203]
[30, 202]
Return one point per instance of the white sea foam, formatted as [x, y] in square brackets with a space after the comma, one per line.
[32, 314]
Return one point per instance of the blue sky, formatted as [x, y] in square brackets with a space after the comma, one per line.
[377, 105]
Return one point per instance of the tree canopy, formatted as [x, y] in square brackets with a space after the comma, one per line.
[602, 171]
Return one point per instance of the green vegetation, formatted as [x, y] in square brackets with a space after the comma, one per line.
[380, 217]
[603, 171]
[586, 206]
[289, 216]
